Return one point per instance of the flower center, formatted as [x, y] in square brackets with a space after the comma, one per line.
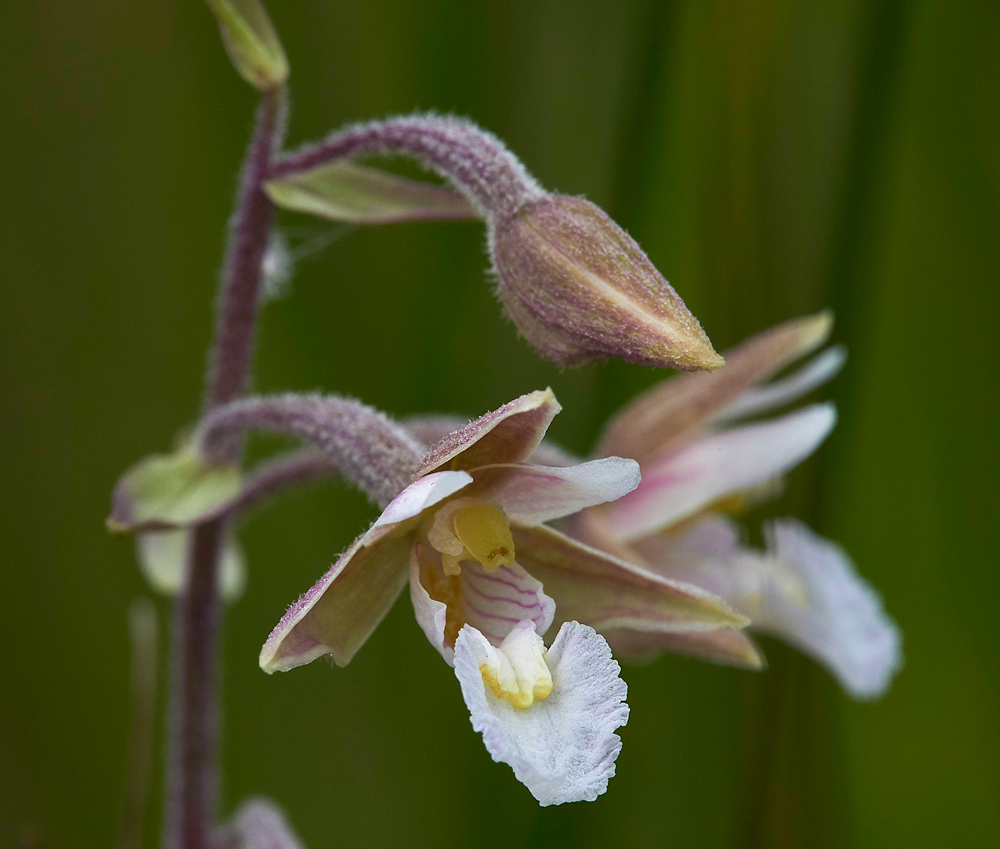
[516, 670]
[465, 529]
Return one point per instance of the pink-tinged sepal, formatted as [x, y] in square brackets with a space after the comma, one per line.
[579, 289]
[339, 612]
[606, 592]
[674, 411]
[506, 435]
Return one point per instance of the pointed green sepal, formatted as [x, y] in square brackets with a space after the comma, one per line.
[251, 42]
[171, 490]
[357, 194]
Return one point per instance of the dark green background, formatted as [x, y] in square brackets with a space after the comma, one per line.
[772, 158]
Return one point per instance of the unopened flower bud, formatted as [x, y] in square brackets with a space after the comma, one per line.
[251, 42]
[580, 289]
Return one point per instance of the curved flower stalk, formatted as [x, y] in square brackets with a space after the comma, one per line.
[468, 535]
[698, 460]
[578, 288]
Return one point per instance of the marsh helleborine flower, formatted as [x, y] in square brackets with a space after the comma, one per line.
[697, 464]
[468, 534]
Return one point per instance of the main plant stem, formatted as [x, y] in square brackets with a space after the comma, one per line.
[192, 733]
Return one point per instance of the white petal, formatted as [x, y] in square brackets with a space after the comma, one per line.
[162, 555]
[531, 495]
[492, 600]
[563, 749]
[418, 496]
[732, 461]
[844, 625]
[813, 374]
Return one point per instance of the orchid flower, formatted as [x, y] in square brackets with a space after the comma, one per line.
[468, 533]
[697, 460]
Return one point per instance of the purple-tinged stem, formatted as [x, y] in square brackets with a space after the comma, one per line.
[364, 445]
[192, 730]
[285, 472]
[191, 768]
[249, 232]
[473, 160]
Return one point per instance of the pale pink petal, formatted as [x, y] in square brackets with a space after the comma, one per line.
[819, 370]
[338, 613]
[429, 430]
[424, 492]
[735, 460]
[492, 600]
[607, 593]
[672, 412]
[563, 749]
[530, 495]
[261, 824]
[507, 435]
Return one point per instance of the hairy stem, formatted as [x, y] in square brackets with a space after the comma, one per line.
[192, 730]
[362, 443]
[474, 161]
[249, 232]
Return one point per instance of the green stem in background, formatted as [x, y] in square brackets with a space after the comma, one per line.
[191, 747]
[143, 633]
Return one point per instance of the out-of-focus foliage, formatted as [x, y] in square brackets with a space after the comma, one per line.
[771, 158]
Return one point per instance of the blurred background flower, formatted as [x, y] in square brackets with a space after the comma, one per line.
[772, 159]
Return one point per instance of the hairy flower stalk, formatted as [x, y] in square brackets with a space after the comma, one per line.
[577, 286]
[191, 778]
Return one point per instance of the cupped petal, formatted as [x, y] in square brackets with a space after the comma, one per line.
[506, 435]
[563, 749]
[684, 482]
[724, 645]
[607, 593]
[844, 625]
[673, 411]
[531, 495]
[492, 600]
[162, 557]
[761, 399]
[340, 611]
[424, 492]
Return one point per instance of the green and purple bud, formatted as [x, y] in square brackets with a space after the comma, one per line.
[580, 289]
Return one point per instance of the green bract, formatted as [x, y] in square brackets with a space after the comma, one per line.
[346, 191]
[171, 490]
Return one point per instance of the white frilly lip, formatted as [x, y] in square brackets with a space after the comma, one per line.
[563, 749]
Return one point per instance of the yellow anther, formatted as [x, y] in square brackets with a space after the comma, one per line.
[483, 530]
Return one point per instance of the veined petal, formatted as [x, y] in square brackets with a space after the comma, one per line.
[724, 645]
[492, 600]
[424, 492]
[162, 557]
[843, 625]
[693, 477]
[819, 370]
[563, 749]
[507, 435]
[341, 610]
[672, 412]
[530, 495]
[607, 593]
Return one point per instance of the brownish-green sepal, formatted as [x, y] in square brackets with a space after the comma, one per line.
[170, 491]
[251, 42]
[357, 194]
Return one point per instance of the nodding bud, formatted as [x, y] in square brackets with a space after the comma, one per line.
[579, 289]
